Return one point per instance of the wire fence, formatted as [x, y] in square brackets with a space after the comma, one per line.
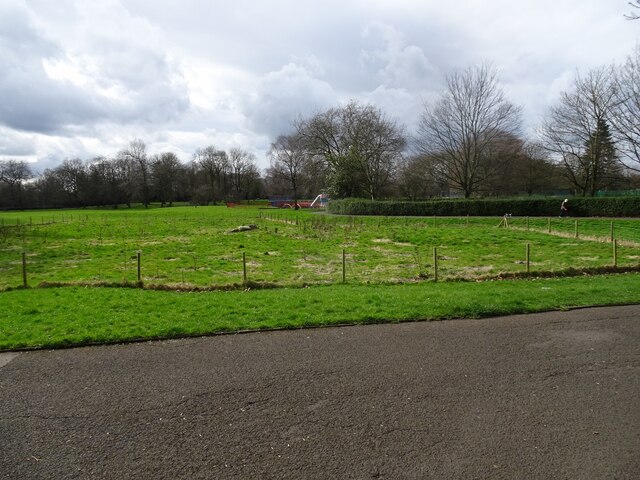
[388, 258]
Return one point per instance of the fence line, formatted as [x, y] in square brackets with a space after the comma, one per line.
[436, 267]
[24, 269]
[30, 268]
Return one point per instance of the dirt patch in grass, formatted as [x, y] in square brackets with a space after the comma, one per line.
[403, 244]
[322, 269]
[473, 272]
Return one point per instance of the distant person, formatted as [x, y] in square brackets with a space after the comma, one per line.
[564, 208]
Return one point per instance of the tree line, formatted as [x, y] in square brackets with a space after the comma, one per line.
[133, 176]
[468, 143]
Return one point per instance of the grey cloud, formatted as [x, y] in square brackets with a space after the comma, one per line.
[149, 88]
[396, 102]
[15, 145]
[397, 63]
[31, 100]
[51, 161]
[284, 94]
[19, 35]
[270, 61]
[239, 32]
[409, 68]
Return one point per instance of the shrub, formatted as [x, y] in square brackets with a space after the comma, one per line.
[538, 207]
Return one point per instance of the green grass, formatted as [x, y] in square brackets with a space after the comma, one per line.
[54, 317]
[192, 246]
[389, 270]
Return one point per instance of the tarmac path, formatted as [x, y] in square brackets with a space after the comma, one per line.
[553, 395]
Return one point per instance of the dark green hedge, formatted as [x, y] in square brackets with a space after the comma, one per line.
[539, 207]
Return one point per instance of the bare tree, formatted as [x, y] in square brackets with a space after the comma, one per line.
[166, 170]
[196, 184]
[377, 145]
[325, 137]
[360, 146]
[14, 173]
[244, 173]
[534, 172]
[49, 189]
[576, 131]
[107, 178]
[417, 178]
[502, 157]
[288, 160]
[126, 172]
[625, 115]
[460, 128]
[72, 177]
[137, 155]
[216, 165]
[633, 15]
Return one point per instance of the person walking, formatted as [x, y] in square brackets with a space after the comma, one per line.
[564, 208]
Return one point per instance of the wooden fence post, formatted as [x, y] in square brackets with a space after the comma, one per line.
[435, 264]
[611, 235]
[576, 229]
[244, 268]
[139, 269]
[615, 253]
[344, 266]
[548, 224]
[24, 269]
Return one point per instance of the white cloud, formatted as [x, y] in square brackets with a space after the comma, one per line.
[281, 96]
[82, 78]
[56, 86]
[15, 144]
[397, 63]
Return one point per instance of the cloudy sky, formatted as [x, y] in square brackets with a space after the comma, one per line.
[81, 78]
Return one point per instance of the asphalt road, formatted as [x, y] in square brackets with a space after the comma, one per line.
[545, 396]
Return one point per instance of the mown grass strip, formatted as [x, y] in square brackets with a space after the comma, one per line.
[58, 317]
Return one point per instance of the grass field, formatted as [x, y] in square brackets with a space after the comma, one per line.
[389, 270]
[183, 247]
[54, 317]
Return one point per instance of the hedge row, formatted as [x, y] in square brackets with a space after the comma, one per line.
[539, 207]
